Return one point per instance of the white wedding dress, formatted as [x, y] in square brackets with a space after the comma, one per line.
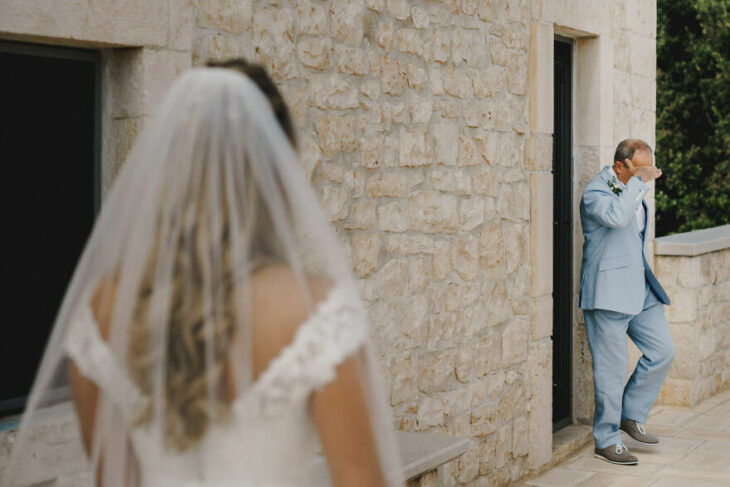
[211, 189]
[269, 438]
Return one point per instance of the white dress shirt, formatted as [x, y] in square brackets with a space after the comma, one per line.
[640, 216]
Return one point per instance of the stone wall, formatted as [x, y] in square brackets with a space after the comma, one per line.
[421, 130]
[412, 118]
[426, 129]
[699, 321]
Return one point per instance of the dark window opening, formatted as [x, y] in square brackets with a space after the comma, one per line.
[562, 235]
[49, 148]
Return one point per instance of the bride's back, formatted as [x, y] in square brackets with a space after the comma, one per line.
[231, 335]
[268, 436]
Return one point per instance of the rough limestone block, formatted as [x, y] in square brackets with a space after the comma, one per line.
[445, 331]
[457, 82]
[516, 245]
[487, 355]
[465, 257]
[315, 53]
[421, 109]
[410, 41]
[336, 133]
[334, 202]
[468, 463]
[333, 92]
[398, 9]
[432, 212]
[229, 16]
[311, 18]
[351, 60]
[491, 254]
[483, 420]
[362, 216]
[412, 150]
[437, 46]
[445, 150]
[488, 81]
[690, 272]
[485, 182]
[684, 305]
[436, 371]
[419, 273]
[460, 295]
[347, 21]
[503, 446]
[420, 18]
[403, 386]
[272, 36]
[393, 78]
[386, 35]
[393, 216]
[471, 212]
[365, 252]
[389, 184]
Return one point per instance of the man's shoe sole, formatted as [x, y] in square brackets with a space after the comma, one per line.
[638, 441]
[615, 463]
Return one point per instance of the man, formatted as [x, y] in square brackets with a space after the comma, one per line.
[620, 295]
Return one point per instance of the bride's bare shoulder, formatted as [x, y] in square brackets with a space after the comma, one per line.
[102, 304]
[280, 303]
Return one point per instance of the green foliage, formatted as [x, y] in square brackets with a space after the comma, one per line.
[693, 114]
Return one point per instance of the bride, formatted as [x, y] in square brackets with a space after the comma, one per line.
[212, 334]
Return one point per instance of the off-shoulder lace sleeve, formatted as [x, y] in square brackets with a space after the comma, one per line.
[91, 354]
[336, 330]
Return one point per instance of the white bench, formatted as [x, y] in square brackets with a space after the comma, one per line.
[421, 454]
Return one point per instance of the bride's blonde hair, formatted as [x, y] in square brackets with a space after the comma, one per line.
[192, 372]
[192, 369]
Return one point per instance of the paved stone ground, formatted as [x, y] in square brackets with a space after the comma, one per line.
[694, 452]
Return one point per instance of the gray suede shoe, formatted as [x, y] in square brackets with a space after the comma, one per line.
[617, 454]
[638, 432]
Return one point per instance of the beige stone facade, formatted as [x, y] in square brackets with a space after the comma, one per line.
[426, 128]
[699, 320]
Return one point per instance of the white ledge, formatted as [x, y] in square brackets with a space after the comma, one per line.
[420, 453]
[694, 243]
[423, 452]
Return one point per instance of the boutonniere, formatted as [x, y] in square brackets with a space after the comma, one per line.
[613, 184]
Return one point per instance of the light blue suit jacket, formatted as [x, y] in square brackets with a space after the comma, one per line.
[615, 267]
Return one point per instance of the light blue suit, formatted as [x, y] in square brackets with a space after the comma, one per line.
[620, 294]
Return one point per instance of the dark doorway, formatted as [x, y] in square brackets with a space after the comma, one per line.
[49, 148]
[562, 234]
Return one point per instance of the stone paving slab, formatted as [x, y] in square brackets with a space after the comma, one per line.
[694, 452]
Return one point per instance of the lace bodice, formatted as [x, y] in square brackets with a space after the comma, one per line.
[269, 439]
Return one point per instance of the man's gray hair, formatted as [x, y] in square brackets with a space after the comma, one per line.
[626, 149]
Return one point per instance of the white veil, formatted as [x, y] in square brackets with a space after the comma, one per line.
[210, 194]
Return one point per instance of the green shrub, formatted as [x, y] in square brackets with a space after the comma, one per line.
[693, 114]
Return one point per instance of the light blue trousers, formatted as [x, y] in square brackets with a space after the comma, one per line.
[607, 339]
